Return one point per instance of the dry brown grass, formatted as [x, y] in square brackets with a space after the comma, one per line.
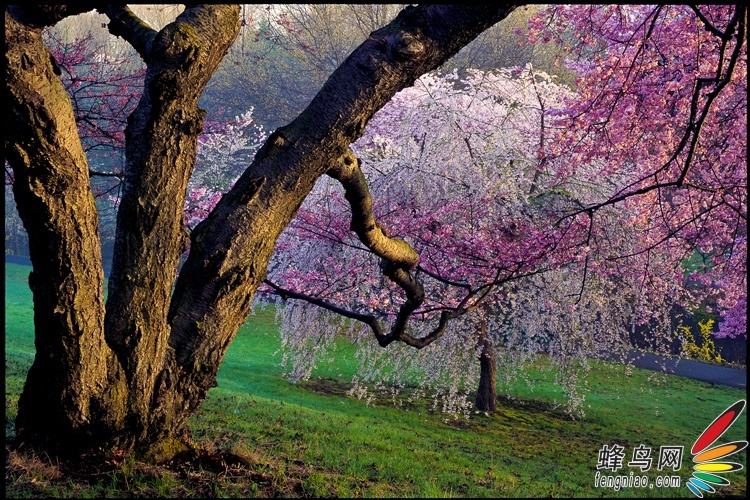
[238, 472]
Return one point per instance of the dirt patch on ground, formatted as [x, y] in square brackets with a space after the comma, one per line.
[533, 405]
[327, 387]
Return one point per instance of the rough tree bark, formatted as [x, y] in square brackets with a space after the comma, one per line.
[68, 385]
[161, 144]
[131, 376]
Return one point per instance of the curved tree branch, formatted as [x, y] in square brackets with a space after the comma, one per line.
[398, 256]
[384, 340]
[124, 23]
[398, 259]
[399, 253]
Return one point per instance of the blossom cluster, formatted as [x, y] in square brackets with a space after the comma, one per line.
[460, 166]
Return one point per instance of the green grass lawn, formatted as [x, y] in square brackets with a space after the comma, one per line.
[310, 439]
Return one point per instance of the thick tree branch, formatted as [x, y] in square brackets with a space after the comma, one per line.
[399, 257]
[230, 250]
[347, 171]
[40, 16]
[124, 23]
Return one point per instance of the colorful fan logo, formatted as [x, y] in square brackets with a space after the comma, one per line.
[708, 463]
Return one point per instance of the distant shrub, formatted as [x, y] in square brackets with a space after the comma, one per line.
[707, 350]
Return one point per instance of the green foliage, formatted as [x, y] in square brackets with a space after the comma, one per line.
[698, 262]
[707, 350]
[310, 439]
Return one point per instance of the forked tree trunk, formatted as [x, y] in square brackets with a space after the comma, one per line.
[93, 378]
[487, 392]
[131, 377]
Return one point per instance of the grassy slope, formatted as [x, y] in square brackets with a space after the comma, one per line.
[310, 439]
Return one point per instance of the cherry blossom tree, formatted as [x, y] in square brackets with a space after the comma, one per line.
[459, 169]
[638, 169]
[645, 264]
[656, 169]
[662, 97]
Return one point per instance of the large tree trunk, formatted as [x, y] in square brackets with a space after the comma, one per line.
[132, 377]
[487, 392]
[70, 381]
[94, 373]
[161, 144]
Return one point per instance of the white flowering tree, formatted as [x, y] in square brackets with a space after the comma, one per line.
[224, 148]
[589, 230]
[457, 167]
